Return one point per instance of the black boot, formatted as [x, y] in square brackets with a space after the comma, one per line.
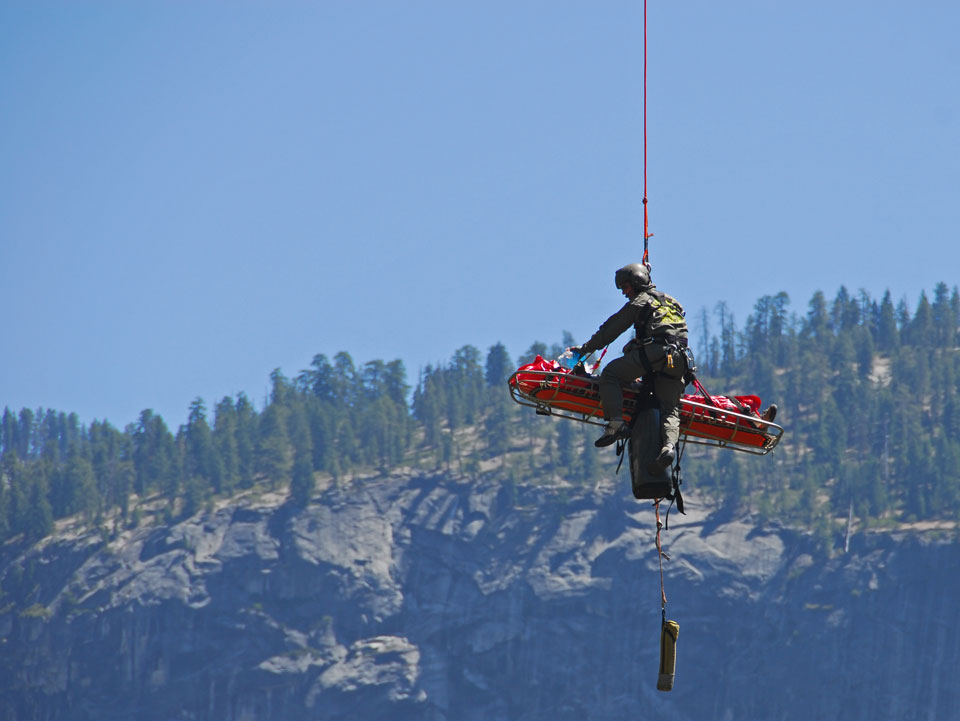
[614, 431]
[662, 461]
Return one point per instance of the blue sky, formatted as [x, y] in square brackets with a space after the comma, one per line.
[194, 194]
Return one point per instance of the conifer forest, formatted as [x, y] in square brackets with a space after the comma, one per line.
[868, 393]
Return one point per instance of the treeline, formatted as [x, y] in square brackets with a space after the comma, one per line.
[869, 393]
[334, 418]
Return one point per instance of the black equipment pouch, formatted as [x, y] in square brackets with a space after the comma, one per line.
[642, 448]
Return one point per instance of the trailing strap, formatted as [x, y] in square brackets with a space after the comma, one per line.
[660, 556]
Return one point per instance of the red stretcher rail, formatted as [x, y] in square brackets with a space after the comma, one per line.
[555, 391]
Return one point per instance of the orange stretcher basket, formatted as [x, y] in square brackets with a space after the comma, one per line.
[713, 421]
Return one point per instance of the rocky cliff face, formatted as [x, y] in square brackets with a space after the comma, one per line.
[436, 599]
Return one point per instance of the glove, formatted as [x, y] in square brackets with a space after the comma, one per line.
[577, 351]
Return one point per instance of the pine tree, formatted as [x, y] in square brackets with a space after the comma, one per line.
[703, 341]
[274, 455]
[120, 475]
[298, 427]
[864, 351]
[869, 313]
[397, 390]
[38, 521]
[282, 390]
[943, 318]
[318, 380]
[49, 434]
[4, 506]
[345, 380]
[779, 329]
[428, 405]
[757, 332]
[728, 340]
[395, 382]
[712, 365]
[903, 320]
[536, 349]
[113, 467]
[194, 491]
[61, 495]
[246, 434]
[85, 498]
[845, 312]
[225, 444]
[348, 449]
[498, 365]
[8, 431]
[843, 360]
[154, 454]
[322, 422]
[920, 328]
[888, 335]
[11, 478]
[301, 486]
[817, 324]
[497, 422]
[25, 433]
[466, 376]
[589, 469]
[200, 458]
[955, 308]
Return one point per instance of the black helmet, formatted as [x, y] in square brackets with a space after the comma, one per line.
[635, 274]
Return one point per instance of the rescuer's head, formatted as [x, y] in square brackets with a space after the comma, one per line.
[633, 278]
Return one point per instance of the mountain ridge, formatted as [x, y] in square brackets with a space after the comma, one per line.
[426, 596]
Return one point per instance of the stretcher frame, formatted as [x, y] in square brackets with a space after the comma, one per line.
[563, 394]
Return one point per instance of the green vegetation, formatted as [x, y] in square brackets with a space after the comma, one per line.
[869, 393]
[870, 397]
[37, 610]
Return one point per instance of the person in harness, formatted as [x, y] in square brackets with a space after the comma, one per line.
[658, 353]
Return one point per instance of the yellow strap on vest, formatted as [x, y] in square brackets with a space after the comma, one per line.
[669, 311]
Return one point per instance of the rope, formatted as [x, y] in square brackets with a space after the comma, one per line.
[646, 220]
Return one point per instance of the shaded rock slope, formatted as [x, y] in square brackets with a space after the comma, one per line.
[415, 597]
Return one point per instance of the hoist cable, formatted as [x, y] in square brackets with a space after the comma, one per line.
[646, 221]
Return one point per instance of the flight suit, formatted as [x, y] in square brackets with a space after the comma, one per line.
[657, 353]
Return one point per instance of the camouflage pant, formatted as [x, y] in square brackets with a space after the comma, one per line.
[667, 386]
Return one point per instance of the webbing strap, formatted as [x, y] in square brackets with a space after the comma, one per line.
[600, 359]
[660, 556]
[703, 392]
[645, 362]
[677, 480]
[620, 448]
